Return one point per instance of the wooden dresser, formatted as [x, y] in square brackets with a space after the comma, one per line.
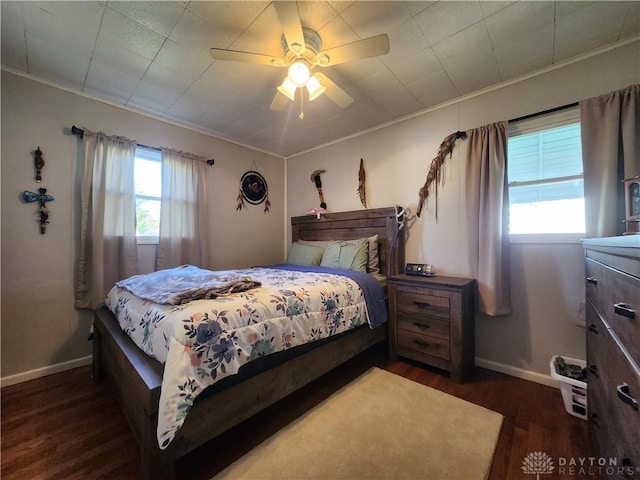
[432, 321]
[613, 349]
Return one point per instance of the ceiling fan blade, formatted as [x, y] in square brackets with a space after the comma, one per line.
[292, 28]
[368, 47]
[333, 91]
[279, 101]
[238, 56]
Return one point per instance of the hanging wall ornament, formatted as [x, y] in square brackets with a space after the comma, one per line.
[39, 164]
[254, 190]
[435, 169]
[362, 192]
[43, 212]
[315, 178]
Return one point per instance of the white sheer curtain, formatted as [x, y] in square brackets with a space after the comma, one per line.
[610, 130]
[108, 246]
[183, 211]
[487, 211]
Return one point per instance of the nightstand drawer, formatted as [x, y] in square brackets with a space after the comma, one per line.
[434, 346]
[424, 325]
[423, 304]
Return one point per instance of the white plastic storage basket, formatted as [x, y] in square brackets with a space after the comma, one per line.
[574, 392]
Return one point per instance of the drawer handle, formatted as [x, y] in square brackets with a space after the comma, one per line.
[594, 419]
[592, 280]
[622, 309]
[422, 325]
[594, 370]
[593, 329]
[422, 343]
[421, 304]
[623, 394]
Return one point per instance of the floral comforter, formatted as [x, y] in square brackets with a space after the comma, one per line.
[203, 341]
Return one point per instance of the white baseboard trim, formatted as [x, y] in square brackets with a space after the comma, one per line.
[80, 362]
[518, 372]
[44, 371]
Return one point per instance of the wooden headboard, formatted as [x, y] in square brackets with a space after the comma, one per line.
[353, 225]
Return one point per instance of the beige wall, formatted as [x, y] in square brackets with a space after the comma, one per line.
[40, 327]
[546, 279]
[41, 331]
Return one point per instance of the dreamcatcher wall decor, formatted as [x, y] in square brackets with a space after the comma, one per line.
[253, 189]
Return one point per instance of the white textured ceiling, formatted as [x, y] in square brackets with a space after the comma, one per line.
[154, 57]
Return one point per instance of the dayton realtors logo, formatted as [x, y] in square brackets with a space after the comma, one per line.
[537, 463]
[540, 463]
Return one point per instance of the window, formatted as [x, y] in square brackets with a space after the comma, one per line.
[148, 186]
[544, 168]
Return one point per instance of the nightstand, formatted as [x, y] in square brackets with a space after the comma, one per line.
[432, 321]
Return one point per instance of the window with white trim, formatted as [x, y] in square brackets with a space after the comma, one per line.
[544, 169]
[148, 188]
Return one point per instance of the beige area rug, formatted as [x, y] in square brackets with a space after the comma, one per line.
[379, 426]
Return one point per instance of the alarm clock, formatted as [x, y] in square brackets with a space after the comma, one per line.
[419, 269]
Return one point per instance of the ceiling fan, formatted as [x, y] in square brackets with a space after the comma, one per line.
[302, 53]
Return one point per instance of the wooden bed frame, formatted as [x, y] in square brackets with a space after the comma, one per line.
[137, 377]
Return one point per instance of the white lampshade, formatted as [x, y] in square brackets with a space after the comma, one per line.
[315, 88]
[288, 88]
[299, 73]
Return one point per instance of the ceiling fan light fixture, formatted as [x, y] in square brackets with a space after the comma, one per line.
[315, 88]
[299, 73]
[288, 88]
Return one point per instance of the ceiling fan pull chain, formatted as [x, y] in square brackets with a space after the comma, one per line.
[301, 116]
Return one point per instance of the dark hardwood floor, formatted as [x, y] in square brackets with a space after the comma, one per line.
[66, 426]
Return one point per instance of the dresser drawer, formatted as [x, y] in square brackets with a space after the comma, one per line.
[624, 400]
[423, 325]
[436, 347]
[411, 301]
[624, 261]
[616, 296]
[622, 310]
[596, 282]
[614, 420]
[599, 349]
[599, 428]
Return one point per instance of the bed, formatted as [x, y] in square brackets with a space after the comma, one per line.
[137, 377]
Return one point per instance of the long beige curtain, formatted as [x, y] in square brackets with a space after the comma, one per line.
[610, 126]
[183, 211]
[487, 216]
[108, 247]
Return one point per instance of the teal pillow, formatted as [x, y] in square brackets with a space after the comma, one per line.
[300, 254]
[347, 255]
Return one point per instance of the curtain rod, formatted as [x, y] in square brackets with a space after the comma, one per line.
[551, 110]
[78, 131]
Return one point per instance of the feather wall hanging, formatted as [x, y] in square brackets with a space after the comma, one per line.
[436, 169]
[362, 192]
[315, 178]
